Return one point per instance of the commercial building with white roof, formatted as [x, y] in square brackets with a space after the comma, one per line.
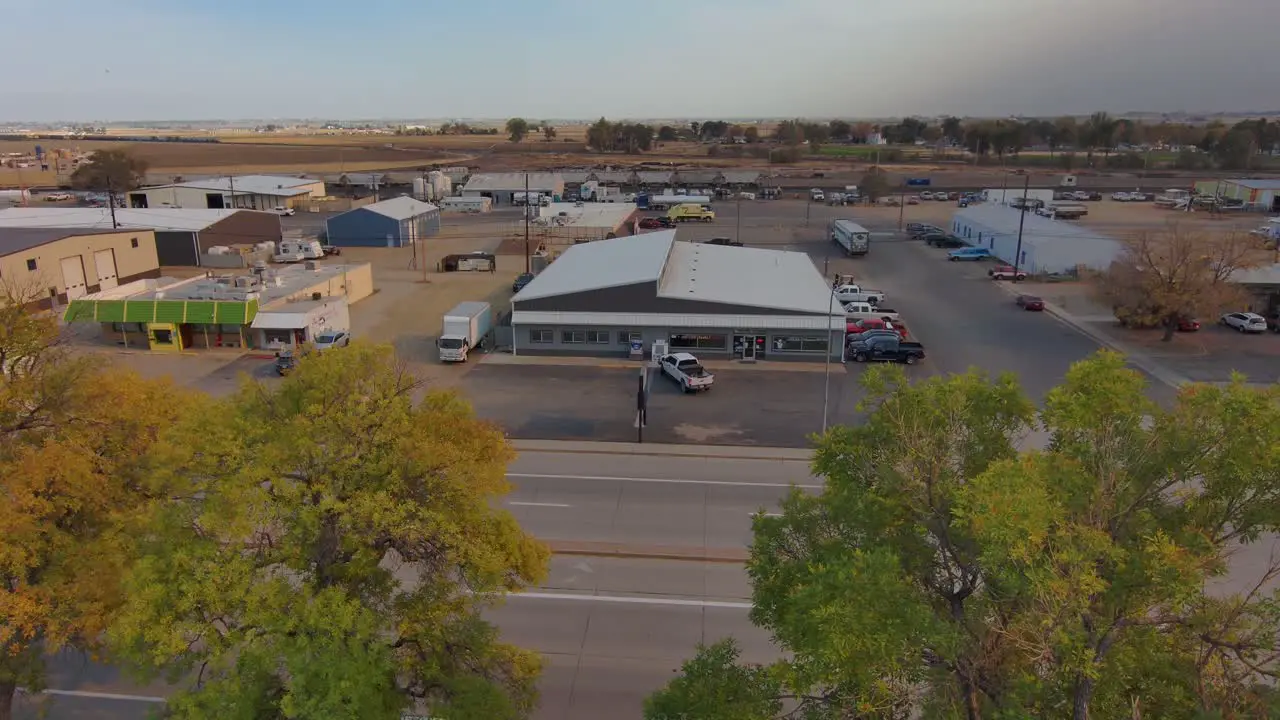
[250, 192]
[560, 225]
[502, 187]
[1048, 246]
[182, 236]
[601, 298]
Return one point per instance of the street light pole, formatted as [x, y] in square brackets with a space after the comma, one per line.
[902, 206]
[738, 232]
[826, 373]
[1022, 219]
[527, 261]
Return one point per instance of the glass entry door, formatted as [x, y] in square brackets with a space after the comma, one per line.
[749, 347]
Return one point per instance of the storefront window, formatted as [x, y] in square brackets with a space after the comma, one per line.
[626, 337]
[541, 337]
[799, 343]
[699, 342]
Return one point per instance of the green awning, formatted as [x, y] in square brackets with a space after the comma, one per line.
[199, 312]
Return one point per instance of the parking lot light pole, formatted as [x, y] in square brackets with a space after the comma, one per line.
[1022, 219]
[826, 373]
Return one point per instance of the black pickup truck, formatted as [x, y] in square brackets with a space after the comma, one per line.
[885, 348]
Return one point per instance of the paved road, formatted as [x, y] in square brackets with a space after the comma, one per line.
[612, 631]
[695, 503]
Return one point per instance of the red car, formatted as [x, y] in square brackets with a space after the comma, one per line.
[1030, 302]
[650, 223]
[859, 326]
[1188, 325]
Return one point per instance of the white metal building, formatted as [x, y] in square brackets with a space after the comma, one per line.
[1048, 246]
[602, 298]
[502, 187]
[250, 192]
[475, 204]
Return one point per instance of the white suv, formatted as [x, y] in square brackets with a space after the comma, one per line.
[1245, 322]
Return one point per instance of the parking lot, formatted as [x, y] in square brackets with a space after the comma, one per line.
[748, 406]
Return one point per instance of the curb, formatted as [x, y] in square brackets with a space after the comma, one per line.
[578, 548]
[693, 452]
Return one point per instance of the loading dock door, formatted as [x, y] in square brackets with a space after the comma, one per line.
[105, 262]
[73, 276]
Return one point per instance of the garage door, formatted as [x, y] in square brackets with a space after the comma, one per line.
[105, 262]
[73, 276]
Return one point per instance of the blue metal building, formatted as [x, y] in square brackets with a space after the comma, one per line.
[397, 222]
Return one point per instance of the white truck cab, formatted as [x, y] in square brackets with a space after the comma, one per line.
[856, 293]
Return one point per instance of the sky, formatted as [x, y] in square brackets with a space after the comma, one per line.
[567, 59]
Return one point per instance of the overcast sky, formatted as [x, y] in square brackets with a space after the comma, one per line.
[174, 59]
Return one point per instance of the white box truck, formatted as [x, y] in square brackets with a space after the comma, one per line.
[463, 328]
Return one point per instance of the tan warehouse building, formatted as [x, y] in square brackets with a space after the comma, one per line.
[63, 264]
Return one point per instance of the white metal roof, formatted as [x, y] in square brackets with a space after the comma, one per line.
[682, 320]
[602, 264]
[189, 220]
[1056, 242]
[767, 279]
[1264, 275]
[546, 182]
[277, 185]
[400, 208]
[1258, 183]
[741, 177]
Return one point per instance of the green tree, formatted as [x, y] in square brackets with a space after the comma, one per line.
[752, 134]
[666, 133]
[601, 136]
[331, 552]
[549, 131]
[517, 129]
[110, 171]
[875, 184]
[71, 435]
[839, 129]
[941, 573]
[953, 129]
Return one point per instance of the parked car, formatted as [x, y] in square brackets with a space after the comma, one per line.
[863, 325]
[651, 223]
[685, 369]
[521, 280]
[330, 250]
[725, 241]
[915, 228]
[857, 293]
[286, 360]
[1030, 302]
[1189, 325]
[281, 210]
[1245, 322]
[926, 195]
[969, 253]
[885, 349]
[1006, 272]
[944, 240]
[1121, 196]
[332, 339]
[913, 200]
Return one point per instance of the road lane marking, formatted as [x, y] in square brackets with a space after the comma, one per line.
[538, 504]
[103, 696]
[768, 514]
[633, 599]
[669, 481]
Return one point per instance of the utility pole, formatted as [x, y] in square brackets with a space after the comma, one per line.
[231, 180]
[826, 373]
[738, 235]
[902, 206]
[807, 205]
[1022, 219]
[528, 263]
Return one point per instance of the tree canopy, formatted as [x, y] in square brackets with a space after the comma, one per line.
[1177, 273]
[71, 435]
[517, 129]
[110, 171]
[330, 552]
[942, 573]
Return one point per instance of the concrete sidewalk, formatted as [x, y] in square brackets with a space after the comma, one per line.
[746, 452]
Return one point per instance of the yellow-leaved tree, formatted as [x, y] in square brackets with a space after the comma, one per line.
[72, 486]
[332, 547]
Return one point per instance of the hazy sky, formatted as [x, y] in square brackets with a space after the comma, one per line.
[178, 59]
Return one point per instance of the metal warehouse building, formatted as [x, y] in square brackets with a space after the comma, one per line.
[250, 192]
[397, 222]
[600, 298]
[67, 263]
[1258, 194]
[502, 187]
[1048, 246]
[182, 237]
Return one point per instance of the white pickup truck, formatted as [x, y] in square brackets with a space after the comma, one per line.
[857, 293]
[866, 311]
[685, 369]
